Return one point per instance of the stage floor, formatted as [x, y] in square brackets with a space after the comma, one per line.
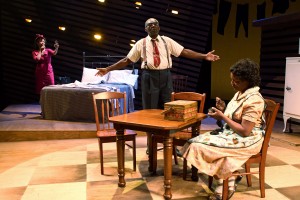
[51, 169]
[23, 122]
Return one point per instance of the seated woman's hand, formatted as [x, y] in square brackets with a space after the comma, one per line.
[220, 104]
[215, 113]
[101, 71]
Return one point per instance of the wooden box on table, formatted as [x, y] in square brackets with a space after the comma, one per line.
[180, 110]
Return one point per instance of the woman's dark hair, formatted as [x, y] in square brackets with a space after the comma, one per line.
[247, 70]
[36, 40]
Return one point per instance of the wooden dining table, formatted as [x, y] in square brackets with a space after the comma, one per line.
[152, 121]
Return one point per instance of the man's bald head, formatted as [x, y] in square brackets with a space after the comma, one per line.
[151, 21]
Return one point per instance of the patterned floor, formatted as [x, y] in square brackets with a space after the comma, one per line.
[69, 170]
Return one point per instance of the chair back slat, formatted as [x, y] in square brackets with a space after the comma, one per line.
[107, 104]
[270, 114]
[103, 112]
[191, 96]
[179, 83]
[106, 114]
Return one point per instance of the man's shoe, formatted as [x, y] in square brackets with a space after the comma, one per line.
[178, 153]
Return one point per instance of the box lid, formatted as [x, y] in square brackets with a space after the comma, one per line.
[181, 103]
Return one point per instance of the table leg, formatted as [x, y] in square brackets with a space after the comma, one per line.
[168, 144]
[150, 151]
[121, 157]
[154, 155]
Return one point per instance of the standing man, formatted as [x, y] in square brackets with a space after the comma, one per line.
[155, 52]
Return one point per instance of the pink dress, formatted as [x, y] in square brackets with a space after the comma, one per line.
[44, 71]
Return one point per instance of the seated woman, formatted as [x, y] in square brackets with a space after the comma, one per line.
[222, 153]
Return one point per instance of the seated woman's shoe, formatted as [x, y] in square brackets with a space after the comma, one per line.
[232, 190]
[230, 193]
[215, 196]
[238, 179]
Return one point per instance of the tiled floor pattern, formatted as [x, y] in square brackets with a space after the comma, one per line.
[70, 170]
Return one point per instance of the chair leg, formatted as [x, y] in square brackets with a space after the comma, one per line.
[248, 176]
[101, 156]
[134, 153]
[262, 181]
[194, 171]
[210, 181]
[175, 155]
[225, 189]
[184, 169]
[195, 174]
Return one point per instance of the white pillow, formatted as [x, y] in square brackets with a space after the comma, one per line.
[88, 76]
[131, 79]
[122, 76]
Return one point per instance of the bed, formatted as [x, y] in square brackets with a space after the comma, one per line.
[73, 101]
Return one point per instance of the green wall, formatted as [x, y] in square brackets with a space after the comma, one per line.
[230, 49]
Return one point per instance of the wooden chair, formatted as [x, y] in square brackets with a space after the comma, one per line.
[180, 138]
[179, 83]
[260, 158]
[107, 104]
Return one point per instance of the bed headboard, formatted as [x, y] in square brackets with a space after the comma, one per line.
[101, 61]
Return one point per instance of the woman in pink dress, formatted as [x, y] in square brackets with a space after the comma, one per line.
[42, 56]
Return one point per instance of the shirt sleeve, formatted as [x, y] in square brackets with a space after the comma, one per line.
[135, 53]
[174, 47]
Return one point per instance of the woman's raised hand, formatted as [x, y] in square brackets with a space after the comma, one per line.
[220, 104]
